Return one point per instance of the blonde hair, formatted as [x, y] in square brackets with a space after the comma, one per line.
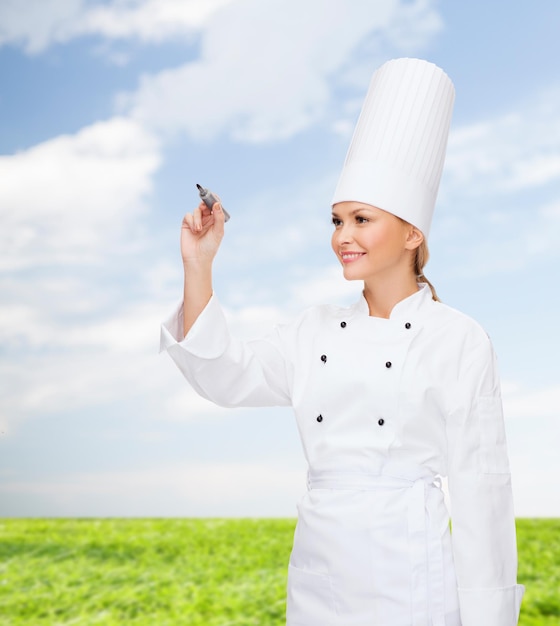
[421, 257]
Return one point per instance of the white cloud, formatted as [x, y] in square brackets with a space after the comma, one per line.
[266, 70]
[69, 207]
[71, 197]
[71, 362]
[511, 152]
[35, 24]
[42, 23]
[148, 20]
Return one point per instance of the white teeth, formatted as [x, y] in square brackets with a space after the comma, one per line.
[350, 257]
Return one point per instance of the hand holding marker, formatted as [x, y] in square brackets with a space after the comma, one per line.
[210, 199]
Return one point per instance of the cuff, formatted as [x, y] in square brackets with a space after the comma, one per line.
[490, 607]
[208, 337]
[171, 329]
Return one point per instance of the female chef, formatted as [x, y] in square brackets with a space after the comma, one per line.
[390, 395]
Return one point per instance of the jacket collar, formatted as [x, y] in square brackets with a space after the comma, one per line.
[411, 305]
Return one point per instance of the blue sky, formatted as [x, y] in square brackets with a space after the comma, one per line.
[111, 112]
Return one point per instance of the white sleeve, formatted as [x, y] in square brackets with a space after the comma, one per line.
[483, 521]
[227, 371]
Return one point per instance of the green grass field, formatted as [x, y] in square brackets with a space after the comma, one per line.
[194, 572]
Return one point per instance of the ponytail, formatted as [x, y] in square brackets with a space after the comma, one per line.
[420, 260]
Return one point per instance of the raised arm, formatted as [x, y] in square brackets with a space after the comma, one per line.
[201, 234]
[219, 367]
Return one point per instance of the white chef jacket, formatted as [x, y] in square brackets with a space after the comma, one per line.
[384, 407]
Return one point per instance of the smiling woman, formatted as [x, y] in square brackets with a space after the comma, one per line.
[390, 395]
[379, 248]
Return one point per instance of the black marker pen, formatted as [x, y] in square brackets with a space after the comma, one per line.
[210, 199]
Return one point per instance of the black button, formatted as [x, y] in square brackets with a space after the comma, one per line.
[324, 358]
[381, 421]
[388, 364]
[342, 324]
[319, 418]
[407, 325]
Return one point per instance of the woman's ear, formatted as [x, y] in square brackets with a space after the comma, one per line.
[414, 238]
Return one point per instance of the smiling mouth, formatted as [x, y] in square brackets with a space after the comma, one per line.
[349, 257]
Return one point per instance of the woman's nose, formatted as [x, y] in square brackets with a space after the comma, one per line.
[344, 235]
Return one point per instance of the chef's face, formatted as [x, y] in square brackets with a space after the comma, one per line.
[371, 243]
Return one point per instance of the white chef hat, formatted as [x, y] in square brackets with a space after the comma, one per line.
[396, 155]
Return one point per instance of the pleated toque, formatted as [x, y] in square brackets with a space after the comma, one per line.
[396, 155]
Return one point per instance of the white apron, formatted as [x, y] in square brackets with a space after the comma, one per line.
[372, 550]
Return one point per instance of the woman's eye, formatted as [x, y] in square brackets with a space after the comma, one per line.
[336, 221]
[361, 220]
